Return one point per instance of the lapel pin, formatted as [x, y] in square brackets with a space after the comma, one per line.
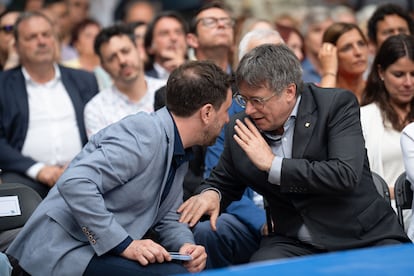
[307, 124]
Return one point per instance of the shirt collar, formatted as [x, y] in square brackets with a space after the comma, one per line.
[29, 79]
[289, 122]
[180, 155]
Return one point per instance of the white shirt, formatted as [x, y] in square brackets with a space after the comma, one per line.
[111, 105]
[407, 147]
[53, 136]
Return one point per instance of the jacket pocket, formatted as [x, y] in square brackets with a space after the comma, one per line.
[372, 215]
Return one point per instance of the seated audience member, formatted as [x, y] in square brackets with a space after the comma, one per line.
[165, 44]
[242, 27]
[131, 91]
[344, 58]
[387, 107]
[58, 13]
[126, 184]
[8, 55]
[387, 20]
[293, 39]
[407, 148]
[137, 10]
[243, 223]
[138, 29]
[302, 148]
[317, 19]
[83, 37]
[41, 105]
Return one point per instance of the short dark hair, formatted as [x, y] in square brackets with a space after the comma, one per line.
[149, 33]
[207, 6]
[194, 84]
[26, 16]
[107, 33]
[381, 12]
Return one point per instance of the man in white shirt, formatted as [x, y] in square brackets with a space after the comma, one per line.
[41, 108]
[131, 91]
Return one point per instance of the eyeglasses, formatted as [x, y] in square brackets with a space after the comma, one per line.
[212, 22]
[255, 101]
[8, 29]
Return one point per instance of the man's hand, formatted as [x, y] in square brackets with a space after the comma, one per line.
[206, 203]
[49, 175]
[146, 252]
[253, 144]
[172, 58]
[199, 255]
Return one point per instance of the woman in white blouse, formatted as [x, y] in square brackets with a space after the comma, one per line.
[387, 106]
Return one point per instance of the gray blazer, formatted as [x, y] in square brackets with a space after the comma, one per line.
[111, 190]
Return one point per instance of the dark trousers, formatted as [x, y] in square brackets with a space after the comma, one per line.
[114, 265]
[11, 177]
[279, 247]
[233, 242]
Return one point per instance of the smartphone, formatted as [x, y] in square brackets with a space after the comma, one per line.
[181, 257]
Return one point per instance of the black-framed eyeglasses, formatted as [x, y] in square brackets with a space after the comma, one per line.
[7, 29]
[212, 22]
[255, 101]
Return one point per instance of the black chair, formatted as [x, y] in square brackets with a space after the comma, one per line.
[403, 196]
[28, 201]
[382, 186]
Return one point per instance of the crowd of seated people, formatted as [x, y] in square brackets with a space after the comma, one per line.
[65, 75]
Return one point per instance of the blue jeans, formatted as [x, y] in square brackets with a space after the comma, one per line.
[116, 265]
[233, 242]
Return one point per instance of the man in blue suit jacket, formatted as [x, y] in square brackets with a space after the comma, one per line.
[127, 183]
[41, 108]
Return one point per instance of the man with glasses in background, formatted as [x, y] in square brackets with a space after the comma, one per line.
[8, 56]
[211, 35]
[302, 148]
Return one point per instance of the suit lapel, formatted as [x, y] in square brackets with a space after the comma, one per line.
[18, 89]
[305, 123]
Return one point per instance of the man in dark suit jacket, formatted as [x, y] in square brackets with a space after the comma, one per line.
[40, 77]
[302, 148]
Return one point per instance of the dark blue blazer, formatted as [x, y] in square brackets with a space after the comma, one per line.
[14, 112]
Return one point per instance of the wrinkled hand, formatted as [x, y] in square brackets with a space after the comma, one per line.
[199, 255]
[146, 252]
[206, 203]
[49, 175]
[253, 144]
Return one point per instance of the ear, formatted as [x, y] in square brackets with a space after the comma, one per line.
[207, 113]
[291, 92]
[192, 40]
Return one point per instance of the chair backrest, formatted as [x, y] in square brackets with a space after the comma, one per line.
[403, 196]
[382, 186]
[28, 200]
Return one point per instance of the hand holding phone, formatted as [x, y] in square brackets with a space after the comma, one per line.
[179, 256]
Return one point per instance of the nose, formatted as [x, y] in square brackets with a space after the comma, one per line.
[121, 58]
[408, 80]
[249, 109]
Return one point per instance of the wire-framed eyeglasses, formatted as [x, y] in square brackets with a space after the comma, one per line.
[255, 101]
[212, 22]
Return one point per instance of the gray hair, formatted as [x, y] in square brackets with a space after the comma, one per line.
[270, 66]
[315, 15]
[260, 36]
